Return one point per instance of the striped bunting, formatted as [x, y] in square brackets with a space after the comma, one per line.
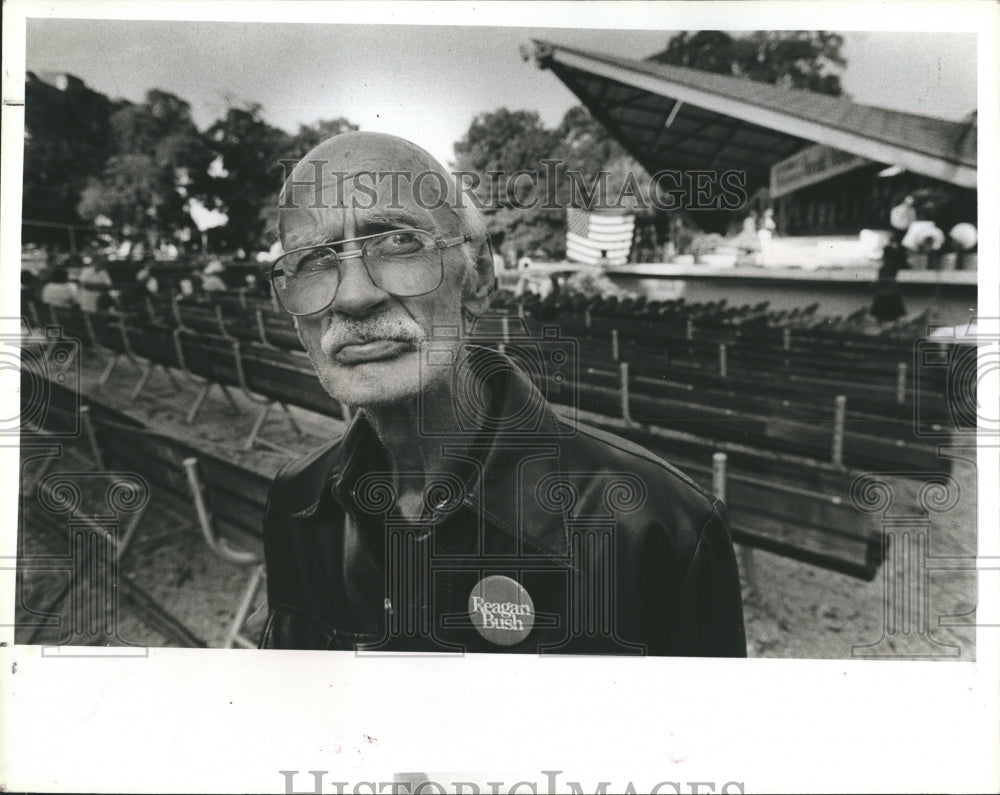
[588, 234]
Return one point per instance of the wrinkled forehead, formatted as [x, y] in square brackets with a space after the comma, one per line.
[359, 184]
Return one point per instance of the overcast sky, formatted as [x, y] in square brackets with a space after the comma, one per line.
[427, 83]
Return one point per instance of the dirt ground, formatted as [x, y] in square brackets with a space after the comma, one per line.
[793, 610]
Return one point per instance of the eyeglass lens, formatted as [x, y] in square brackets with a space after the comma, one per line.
[403, 263]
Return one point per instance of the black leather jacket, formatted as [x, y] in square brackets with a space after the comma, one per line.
[618, 551]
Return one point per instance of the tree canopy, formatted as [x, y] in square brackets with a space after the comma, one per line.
[805, 59]
[141, 164]
[67, 141]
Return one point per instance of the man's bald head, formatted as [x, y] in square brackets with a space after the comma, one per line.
[385, 180]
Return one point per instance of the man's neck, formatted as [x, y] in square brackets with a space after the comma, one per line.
[414, 435]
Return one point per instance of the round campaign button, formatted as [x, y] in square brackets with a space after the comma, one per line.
[501, 610]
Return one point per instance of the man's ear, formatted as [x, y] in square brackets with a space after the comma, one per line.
[479, 289]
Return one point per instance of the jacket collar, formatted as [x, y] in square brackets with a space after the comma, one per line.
[524, 432]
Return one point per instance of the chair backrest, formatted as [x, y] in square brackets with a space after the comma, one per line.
[46, 407]
[286, 376]
[211, 357]
[237, 496]
[152, 342]
[197, 315]
[280, 330]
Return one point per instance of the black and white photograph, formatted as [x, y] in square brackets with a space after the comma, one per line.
[369, 355]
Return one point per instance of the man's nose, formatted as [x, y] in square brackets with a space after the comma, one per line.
[357, 295]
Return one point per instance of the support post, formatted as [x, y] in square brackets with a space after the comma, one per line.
[839, 415]
[109, 368]
[234, 636]
[257, 425]
[723, 364]
[901, 382]
[88, 430]
[748, 565]
[220, 546]
[505, 329]
[614, 344]
[232, 401]
[196, 406]
[221, 322]
[623, 391]
[291, 420]
[147, 371]
[786, 338]
[689, 329]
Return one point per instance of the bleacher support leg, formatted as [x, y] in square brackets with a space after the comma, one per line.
[206, 521]
[108, 369]
[33, 314]
[839, 415]
[623, 390]
[222, 548]
[257, 425]
[614, 345]
[231, 399]
[748, 565]
[901, 382]
[723, 364]
[196, 406]
[234, 637]
[147, 371]
[88, 431]
[291, 420]
[170, 377]
[130, 529]
[262, 331]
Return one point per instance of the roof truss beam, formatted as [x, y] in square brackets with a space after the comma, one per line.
[863, 146]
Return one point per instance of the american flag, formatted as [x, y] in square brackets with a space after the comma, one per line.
[588, 234]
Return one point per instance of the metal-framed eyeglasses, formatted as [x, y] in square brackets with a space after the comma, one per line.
[405, 263]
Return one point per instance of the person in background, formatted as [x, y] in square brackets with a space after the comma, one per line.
[212, 277]
[60, 291]
[924, 237]
[767, 227]
[147, 280]
[95, 286]
[900, 218]
[888, 303]
[964, 237]
[29, 286]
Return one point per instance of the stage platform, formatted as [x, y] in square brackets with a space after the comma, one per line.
[951, 295]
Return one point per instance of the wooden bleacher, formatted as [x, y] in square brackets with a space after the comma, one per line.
[656, 373]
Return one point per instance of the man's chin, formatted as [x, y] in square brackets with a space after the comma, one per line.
[375, 382]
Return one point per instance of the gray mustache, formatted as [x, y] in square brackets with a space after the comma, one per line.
[348, 331]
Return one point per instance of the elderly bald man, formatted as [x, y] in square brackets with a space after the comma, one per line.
[458, 512]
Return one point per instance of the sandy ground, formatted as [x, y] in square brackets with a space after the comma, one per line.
[792, 610]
